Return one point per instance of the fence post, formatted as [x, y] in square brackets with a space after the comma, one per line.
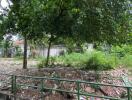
[15, 84]
[78, 89]
[12, 84]
[15, 87]
[42, 88]
[128, 93]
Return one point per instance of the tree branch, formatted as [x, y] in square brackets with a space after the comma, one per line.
[8, 1]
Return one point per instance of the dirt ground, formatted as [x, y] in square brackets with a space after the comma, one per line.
[13, 66]
[8, 65]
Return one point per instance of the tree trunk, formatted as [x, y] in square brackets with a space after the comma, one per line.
[6, 49]
[5, 53]
[25, 53]
[48, 53]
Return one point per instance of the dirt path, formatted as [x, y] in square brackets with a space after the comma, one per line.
[8, 65]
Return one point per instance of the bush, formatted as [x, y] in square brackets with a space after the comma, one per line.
[124, 55]
[41, 63]
[95, 60]
[126, 61]
[122, 50]
[99, 61]
[73, 59]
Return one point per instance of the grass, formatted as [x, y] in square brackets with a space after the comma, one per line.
[126, 61]
[73, 59]
[96, 60]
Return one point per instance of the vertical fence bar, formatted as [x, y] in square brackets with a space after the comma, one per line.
[15, 84]
[78, 89]
[12, 84]
[128, 93]
[115, 58]
[42, 88]
[15, 88]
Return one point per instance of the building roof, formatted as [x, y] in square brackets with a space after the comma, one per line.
[18, 43]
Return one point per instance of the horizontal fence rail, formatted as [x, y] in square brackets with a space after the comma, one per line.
[78, 92]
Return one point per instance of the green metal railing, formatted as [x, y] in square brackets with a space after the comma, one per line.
[78, 92]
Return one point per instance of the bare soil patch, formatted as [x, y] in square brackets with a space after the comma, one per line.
[27, 92]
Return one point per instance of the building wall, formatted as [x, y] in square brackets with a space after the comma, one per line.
[54, 51]
[1, 52]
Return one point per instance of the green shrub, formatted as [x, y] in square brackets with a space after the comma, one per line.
[127, 49]
[124, 55]
[73, 59]
[95, 60]
[123, 49]
[41, 63]
[99, 61]
[52, 60]
[126, 61]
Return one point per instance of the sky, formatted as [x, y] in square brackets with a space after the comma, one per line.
[4, 3]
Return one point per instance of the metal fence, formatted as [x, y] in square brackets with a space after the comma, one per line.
[78, 91]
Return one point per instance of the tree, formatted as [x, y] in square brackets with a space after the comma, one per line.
[103, 20]
[55, 19]
[20, 19]
[81, 20]
[3, 22]
[7, 42]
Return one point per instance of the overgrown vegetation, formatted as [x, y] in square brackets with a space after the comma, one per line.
[95, 60]
[100, 61]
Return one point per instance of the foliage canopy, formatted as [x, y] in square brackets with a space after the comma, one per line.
[84, 20]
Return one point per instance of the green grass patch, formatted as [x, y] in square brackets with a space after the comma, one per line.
[126, 61]
[95, 60]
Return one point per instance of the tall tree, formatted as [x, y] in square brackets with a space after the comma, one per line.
[56, 19]
[20, 20]
[81, 20]
[103, 20]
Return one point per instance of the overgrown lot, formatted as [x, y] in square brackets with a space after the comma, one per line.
[94, 60]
